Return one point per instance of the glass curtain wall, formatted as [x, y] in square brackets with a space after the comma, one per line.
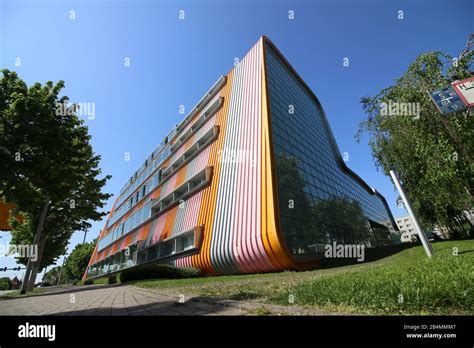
[319, 202]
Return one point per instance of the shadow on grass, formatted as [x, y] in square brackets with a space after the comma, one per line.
[466, 251]
[245, 296]
[371, 255]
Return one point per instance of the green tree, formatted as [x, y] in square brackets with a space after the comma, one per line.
[76, 263]
[5, 283]
[295, 207]
[342, 221]
[45, 154]
[431, 154]
[51, 277]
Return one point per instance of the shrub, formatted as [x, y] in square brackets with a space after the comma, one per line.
[189, 272]
[112, 279]
[88, 282]
[156, 271]
[5, 283]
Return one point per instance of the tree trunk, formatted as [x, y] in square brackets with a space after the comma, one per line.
[36, 240]
[36, 265]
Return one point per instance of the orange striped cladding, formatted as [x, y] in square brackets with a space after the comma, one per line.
[208, 205]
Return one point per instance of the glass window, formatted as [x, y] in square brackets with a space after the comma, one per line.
[329, 204]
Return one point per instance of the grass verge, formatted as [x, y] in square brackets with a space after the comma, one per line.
[97, 281]
[408, 283]
[16, 293]
[404, 283]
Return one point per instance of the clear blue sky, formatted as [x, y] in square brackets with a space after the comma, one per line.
[173, 62]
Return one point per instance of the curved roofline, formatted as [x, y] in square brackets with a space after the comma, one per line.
[333, 142]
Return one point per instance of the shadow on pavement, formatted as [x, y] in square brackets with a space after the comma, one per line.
[194, 307]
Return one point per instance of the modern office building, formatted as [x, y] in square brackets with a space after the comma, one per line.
[250, 181]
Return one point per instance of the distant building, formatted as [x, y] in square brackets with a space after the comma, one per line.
[16, 283]
[408, 232]
[470, 215]
[441, 231]
[407, 229]
[444, 232]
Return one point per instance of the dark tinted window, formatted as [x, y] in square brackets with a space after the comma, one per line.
[319, 203]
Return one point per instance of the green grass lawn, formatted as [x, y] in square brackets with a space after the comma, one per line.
[95, 281]
[404, 283]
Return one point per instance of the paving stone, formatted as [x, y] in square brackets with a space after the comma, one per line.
[111, 300]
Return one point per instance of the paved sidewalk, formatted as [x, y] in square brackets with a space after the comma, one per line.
[4, 292]
[131, 300]
[112, 300]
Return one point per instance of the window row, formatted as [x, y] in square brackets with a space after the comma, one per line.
[207, 114]
[204, 100]
[130, 223]
[202, 142]
[122, 259]
[177, 244]
[165, 143]
[133, 186]
[192, 185]
[135, 198]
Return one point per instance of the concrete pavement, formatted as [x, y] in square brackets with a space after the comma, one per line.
[127, 300]
[112, 300]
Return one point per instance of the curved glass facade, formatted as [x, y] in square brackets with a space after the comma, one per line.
[320, 201]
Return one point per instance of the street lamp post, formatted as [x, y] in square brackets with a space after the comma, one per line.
[419, 231]
[61, 271]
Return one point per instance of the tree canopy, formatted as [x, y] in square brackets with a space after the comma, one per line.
[46, 155]
[76, 263]
[431, 153]
[52, 276]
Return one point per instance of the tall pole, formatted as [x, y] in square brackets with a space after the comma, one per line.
[85, 234]
[61, 271]
[419, 231]
[30, 263]
[44, 274]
